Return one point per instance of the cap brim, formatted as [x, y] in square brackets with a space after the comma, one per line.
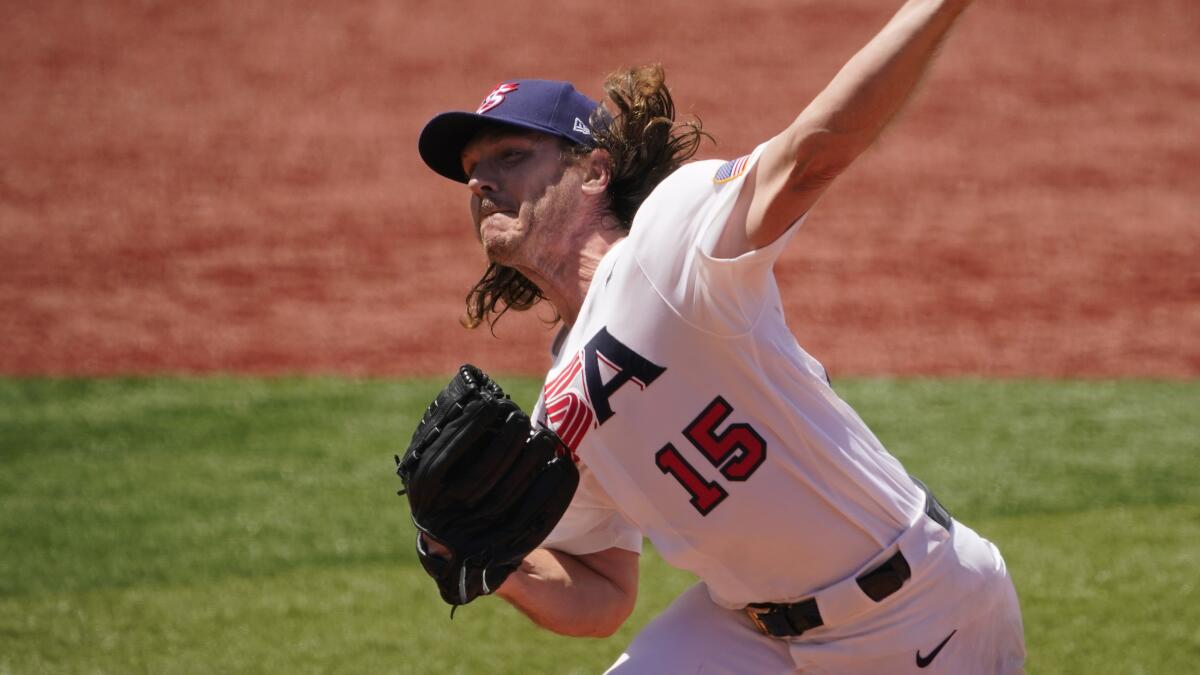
[445, 136]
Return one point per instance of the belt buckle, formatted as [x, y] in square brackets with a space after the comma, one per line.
[755, 612]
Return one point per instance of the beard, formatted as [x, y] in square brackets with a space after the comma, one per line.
[494, 227]
[525, 234]
[501, 235]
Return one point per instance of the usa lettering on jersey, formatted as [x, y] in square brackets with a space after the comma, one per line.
[568, 411]
[577, 397]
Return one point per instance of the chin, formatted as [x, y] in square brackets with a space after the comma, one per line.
[498, 239]
[499, 251]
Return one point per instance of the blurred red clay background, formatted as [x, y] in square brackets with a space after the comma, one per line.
[234, 186]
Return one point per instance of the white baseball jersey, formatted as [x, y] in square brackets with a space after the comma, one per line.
[700, 423]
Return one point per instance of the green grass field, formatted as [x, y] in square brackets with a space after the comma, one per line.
[228, 525]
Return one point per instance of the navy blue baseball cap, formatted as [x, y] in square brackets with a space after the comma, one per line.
[550, 107]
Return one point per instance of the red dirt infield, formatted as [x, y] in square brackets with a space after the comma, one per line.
[228, 186]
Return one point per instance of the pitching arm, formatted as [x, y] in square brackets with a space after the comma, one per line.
[798, 165]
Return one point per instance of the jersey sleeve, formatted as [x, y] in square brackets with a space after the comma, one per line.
[592, 522]
[676, 232]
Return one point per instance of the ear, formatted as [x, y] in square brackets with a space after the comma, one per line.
[598, 172]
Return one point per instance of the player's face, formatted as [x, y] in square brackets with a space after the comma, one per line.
[520, 188]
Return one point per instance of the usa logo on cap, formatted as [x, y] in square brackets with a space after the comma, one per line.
[496, 97]
[731, 169]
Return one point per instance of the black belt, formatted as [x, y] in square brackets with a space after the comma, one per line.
[879, 582]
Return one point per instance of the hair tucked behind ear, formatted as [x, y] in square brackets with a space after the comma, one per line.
[645, 145]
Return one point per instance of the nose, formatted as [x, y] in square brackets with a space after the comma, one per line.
[480, 184]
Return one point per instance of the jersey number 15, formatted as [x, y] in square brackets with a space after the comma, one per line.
[737, 452]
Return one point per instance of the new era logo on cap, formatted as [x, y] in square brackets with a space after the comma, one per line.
[545, 106]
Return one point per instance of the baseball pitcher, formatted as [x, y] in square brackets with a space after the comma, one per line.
[679, 406]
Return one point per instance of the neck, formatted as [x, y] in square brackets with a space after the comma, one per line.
[565, 272]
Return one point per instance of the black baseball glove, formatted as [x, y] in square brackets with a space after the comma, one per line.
[482, 484]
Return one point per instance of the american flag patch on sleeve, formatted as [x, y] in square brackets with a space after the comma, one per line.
[731, 169]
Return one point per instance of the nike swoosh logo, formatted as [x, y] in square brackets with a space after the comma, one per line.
[924, 661]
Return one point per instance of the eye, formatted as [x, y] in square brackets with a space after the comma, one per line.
[511, 157]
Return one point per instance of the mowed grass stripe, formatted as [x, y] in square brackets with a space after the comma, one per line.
[251, 526]
[364, 618]
[1011, 447]
[1107, 591]
[375, 618]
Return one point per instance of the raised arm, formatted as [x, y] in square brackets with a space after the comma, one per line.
[798, 165]
[583, 596]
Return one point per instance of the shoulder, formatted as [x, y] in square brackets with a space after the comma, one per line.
[688, 202]
[693, 185]
[678, 198]
[692, 177]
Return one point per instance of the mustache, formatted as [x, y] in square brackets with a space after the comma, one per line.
[488, 206]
